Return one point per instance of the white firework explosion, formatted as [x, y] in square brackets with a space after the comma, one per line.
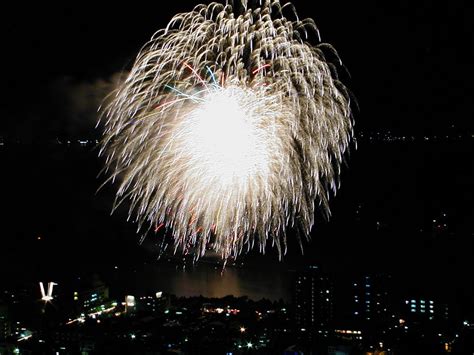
[229, 128]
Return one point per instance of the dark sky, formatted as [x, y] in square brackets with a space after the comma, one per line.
[410, 61]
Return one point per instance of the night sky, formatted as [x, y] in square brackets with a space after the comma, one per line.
[409, 66]
[410, 61]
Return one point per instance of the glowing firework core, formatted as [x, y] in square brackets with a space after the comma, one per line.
[224, 138]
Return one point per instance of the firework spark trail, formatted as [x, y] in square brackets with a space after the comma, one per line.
[228, 129]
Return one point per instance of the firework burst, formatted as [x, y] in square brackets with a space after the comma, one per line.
[229, 128]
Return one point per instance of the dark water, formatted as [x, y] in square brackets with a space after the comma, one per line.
[381, 220]
[209, 280]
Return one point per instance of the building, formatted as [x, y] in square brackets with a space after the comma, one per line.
[424, 309]
[364, 301]
[152, 304]
[4, 323]
[313, 301]
[91, 299]
[371, 298]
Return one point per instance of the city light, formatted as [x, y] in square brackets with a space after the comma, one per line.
[47, 297]
[25, 337]
[210, 309]
[130, 301]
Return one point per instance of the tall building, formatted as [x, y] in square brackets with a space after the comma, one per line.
[91, 299]
[419, 309]
[371, 298]
[364, 304]
[313, 300]
[4, 324]
[152, 304]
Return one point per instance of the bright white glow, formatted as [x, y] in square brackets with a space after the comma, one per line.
[223, 135]
[47, 297]
[130, 301]
[25, 337]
